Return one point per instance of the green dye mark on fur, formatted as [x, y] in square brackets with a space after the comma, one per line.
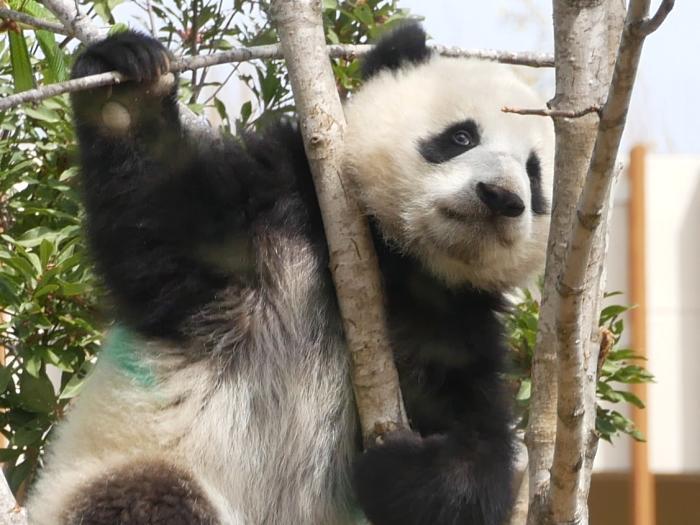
[123, 349]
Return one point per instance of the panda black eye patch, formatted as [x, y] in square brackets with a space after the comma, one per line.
[538, 202]
[452, 141]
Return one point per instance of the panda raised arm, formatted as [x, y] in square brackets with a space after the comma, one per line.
[161, 204]
[223, 393]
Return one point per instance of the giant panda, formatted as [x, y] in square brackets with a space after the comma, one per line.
[222, 395]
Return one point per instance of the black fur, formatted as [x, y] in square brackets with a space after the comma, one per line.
[155, 197]
[404, 45]
[534, 172]
[150, 493]
[449, 349]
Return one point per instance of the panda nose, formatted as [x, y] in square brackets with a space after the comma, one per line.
[500, 200]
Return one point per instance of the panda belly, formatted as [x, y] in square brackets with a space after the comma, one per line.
[261, 421]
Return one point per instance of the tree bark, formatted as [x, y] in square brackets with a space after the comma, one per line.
[352, 258]
[575, 273]
[583, 73]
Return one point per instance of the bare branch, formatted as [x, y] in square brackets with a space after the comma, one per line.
[239, 54]
[554, 113]
[52, 90]
[75, 23]
[352, 259]
[648, 26]
[36, 23]
[504, 57]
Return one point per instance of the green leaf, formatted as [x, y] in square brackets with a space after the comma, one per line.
[19, 59]
[73, 387]
[5, 377]
[36, 393]
[612, 311]
[45, 290]
[524, 390]
[117, 28]
[632, 399]
[8, 455]
[43, 114]
[32, 365]
[70, 289]
[56, 69]
[46, 249]
[24, 437]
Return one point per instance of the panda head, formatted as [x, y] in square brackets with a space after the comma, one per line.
[447, 176]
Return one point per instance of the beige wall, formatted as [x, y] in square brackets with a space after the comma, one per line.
[673, 312]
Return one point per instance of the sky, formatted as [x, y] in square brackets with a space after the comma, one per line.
[662, 114]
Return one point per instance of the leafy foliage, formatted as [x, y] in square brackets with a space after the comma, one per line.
[50, 327]
[615, 369]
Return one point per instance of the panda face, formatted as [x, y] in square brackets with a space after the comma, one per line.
[449, 177]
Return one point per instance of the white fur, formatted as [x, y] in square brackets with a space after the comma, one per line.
[396, 110]
[265, 421]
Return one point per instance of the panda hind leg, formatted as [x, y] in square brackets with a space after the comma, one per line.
[144, 493]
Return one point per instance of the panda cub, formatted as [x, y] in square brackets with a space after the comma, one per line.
[223, 394]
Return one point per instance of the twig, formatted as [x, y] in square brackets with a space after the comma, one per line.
[222, 84]
[36, 23]
[244, 54]
[649, 25]
[554, 113]
[151, 18]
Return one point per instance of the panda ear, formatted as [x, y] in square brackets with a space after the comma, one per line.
[403, 45]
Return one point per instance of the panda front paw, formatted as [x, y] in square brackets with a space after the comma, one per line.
[150, 93]
[411, 480]
[137, 56]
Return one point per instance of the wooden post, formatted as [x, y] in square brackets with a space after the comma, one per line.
[643, 497]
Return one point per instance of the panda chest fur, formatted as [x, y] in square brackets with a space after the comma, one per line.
[280, 391]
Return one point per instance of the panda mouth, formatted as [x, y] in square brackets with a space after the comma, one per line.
[452, 214]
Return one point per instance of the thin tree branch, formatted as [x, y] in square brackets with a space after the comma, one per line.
[353, 262]
[648, 26]
[240, 54]
[554, 113]
[33, 22]
[504, 57]
[69, 86]
[151, 19]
